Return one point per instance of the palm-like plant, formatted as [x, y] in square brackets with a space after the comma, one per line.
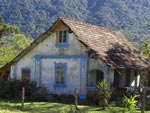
[104, 93]
[130, 103]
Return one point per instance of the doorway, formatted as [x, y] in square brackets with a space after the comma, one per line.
[94, 76]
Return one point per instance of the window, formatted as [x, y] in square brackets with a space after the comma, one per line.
[94, 77]
[62, 41]
[60, 75]
[25, 74]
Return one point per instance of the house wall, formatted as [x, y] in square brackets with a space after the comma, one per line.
[98, 64]
[41, 59]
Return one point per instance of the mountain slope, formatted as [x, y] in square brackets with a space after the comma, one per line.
[35, 16]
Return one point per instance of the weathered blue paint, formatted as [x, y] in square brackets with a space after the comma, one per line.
[82, 97]
[87, 69]
[61, 45]
[83, 60]
[81, 73]
[38, 65]
[65, 74]
[83, 57]
[35, 70]
[37, 58]
[25, 68]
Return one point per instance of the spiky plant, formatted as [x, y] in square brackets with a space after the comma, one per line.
[104, 93]
[130, 103]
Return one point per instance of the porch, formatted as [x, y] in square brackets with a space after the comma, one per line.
[123, 80]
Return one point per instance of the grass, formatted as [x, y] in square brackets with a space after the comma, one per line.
[51, 107]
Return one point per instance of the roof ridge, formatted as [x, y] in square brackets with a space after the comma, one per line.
[86, 23]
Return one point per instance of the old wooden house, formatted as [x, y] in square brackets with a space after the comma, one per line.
[72, 54]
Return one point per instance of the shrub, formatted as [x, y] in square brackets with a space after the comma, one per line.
[104, 94]
[30, 89]
[129, 103]
[4, 89]
[41, 93]
[12, 90]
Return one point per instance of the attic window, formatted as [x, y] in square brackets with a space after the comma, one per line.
[62, 39]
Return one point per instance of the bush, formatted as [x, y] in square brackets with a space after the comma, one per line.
[41, 93]
[30, 89]
[12, 89]
[104, 94]
[4, 89]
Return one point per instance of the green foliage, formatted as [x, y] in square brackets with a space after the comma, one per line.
[11, 43]
[12, 46]
[10, 106]
[6, 29]
[6, 54]
[130, 103]
[12, 90]
[104, 93]
[41, 93]
[30, 89]
[21, 41]
[147, 23]
[145, 48]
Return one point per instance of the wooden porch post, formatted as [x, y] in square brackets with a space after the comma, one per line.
[143, 100]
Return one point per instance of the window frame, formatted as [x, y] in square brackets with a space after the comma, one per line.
[27, 69]
[62, 44]
[55, 75]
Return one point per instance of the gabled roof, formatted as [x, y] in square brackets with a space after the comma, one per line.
[111, 46]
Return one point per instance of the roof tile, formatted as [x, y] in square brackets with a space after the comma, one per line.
[110, 45]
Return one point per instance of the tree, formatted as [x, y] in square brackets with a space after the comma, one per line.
[145, 48]
[11, 42]
[7, 29]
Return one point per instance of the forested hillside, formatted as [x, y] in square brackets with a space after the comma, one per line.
[33, 17]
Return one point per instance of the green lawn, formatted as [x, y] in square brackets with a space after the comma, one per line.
[50, 107]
